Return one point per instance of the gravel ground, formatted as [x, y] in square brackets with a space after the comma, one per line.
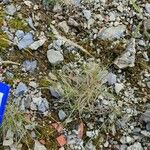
[79, 73]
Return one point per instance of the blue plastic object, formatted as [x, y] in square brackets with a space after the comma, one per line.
[4, 92]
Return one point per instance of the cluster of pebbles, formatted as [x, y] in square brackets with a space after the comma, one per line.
[42, 36]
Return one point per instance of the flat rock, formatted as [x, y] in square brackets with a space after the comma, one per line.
[135, 146]
[54, 57]
[112, 32]
[35, 45]
[25, 41]
[29, 65]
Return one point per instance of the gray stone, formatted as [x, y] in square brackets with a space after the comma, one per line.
[123, 147]
[145, 55]
[135, 146]
[146, 116]
[127, 59]
[21, 89]
[9, 138]
[90, 146]
[87, 14]
[147, 7]
[72, 22]
[41, 104]
[39, 146]
[25, 41]
[62, 115]
[19, 34]
[148, 85]
[111, 78]
[54, 57]
[10, 9]
[141, 43]
[9, 74]
[147, 25]
[57, 8]
[30, 22]
[148, 126]
[120, 8]
[57, 44]
[35, 45]
[5, 1]
[77, 2]
[55, 93]
[112, 32]
[42, 108]
[112, 16]
[63, 25]
[33, 84]
[33, 106]
[29, 65]
[136, 130]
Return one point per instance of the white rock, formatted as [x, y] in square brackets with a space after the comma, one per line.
[54, 57]
[145, 55]
[112, 16]
[8, 142]
[10, 9]
[87, 14]
[135, 146]
[141, 43]
[118, 87]
[129, 139]
[106, 144]
[90, 133]
[37, 44]
[28, 3]
[147, 7]
[63, 25]
[39, 146]
[33, 84]
[120, 8]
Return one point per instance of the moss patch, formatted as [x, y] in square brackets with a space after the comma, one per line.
[4, 42]
[18, 24]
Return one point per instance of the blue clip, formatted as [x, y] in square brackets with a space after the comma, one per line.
[4, 92]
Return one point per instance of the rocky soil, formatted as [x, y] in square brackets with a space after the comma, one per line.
[79, 72]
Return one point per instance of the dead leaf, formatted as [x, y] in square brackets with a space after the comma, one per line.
[58, 126]
[61, 140]
[81, 130]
